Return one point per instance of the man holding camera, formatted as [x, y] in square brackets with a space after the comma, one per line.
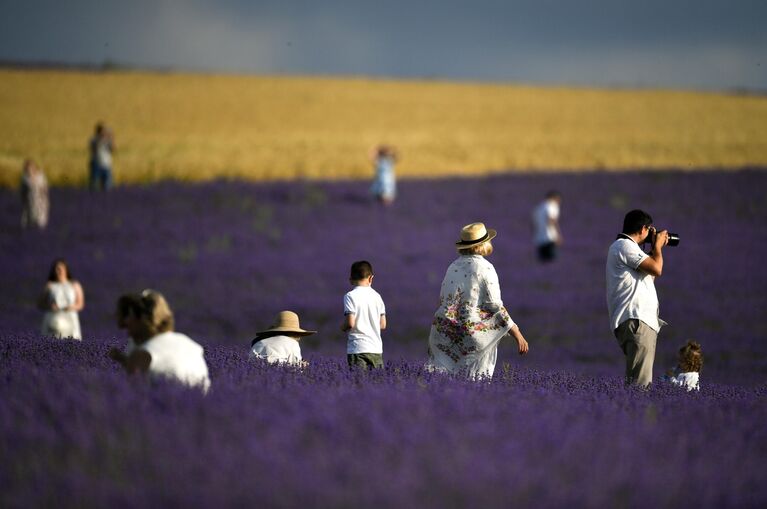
[631, 297]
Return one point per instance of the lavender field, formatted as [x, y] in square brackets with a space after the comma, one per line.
[554, 428]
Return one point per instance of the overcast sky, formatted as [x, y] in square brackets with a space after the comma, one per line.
[704, 44]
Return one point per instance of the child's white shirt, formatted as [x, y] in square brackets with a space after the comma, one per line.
[367, 306]
[277, 349]
[689, 380]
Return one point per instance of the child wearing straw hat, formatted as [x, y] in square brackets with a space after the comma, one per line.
[364, 319]
[279, 343]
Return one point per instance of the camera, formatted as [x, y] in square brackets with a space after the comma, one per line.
[673, 238]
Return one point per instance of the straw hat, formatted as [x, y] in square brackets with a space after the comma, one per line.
[286, 321]
[474, 234]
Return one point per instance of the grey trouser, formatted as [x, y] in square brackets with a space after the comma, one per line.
[637, 340]
[365, 360]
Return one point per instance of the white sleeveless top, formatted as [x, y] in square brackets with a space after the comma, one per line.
[176, 356]
[62, 324]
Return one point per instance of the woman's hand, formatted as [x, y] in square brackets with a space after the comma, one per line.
[521, 341]
[523, 346]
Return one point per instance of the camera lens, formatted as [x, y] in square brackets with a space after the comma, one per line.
[673, 239]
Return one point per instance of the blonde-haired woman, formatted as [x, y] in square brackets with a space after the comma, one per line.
[154, 347]
[471, 318]
[62, 300]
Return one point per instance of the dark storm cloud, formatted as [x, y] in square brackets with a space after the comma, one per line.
[715, 44]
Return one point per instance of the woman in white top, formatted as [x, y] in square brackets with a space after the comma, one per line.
[471, 319]
[34, 196]
[156, 349]
[279, 343]
[62, 299]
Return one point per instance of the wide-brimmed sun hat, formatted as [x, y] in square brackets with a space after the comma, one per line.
[474, 234]
[286, 321]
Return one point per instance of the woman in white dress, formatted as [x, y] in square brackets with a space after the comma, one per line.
[154, 348]
[34, 196]
[471, 318]
[62, 300]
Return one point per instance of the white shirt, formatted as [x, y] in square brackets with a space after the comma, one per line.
[690, 380]
[543, 214]
[176, 356]
[630, 292]
[277, 349]
[367, 306]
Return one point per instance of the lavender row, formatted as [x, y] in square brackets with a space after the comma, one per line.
[229, 255]
[76, 431]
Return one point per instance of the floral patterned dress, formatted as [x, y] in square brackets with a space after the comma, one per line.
[470, 321]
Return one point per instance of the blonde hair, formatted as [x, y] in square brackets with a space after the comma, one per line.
[150, 308]
[484, 249]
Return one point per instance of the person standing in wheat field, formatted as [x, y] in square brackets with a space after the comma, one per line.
[101, 147]
[384, 186]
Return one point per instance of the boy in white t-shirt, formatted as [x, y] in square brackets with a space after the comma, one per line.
[364, 319]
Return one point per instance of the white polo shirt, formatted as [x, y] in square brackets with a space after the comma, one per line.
[630, 292]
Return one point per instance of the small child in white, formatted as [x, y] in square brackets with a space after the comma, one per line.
[364, 319]
[279, 343]
[687, 372]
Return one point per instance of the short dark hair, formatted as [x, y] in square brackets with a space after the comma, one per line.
[635, 220]
[360, 270]
[553, 194]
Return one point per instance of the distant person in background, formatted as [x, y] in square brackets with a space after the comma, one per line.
[154, 348]
[364, 319]
[686, 374]
[101, 148]
[546, 233]
[34, 196]
[471, 319]
[632, 302]
[384, 186]
[62, 300]
[279, 343]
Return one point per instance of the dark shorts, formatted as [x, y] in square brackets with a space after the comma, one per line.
[547, 252]
[100, 177]
[365, 360]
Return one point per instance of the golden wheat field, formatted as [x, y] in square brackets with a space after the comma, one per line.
[197, 127]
